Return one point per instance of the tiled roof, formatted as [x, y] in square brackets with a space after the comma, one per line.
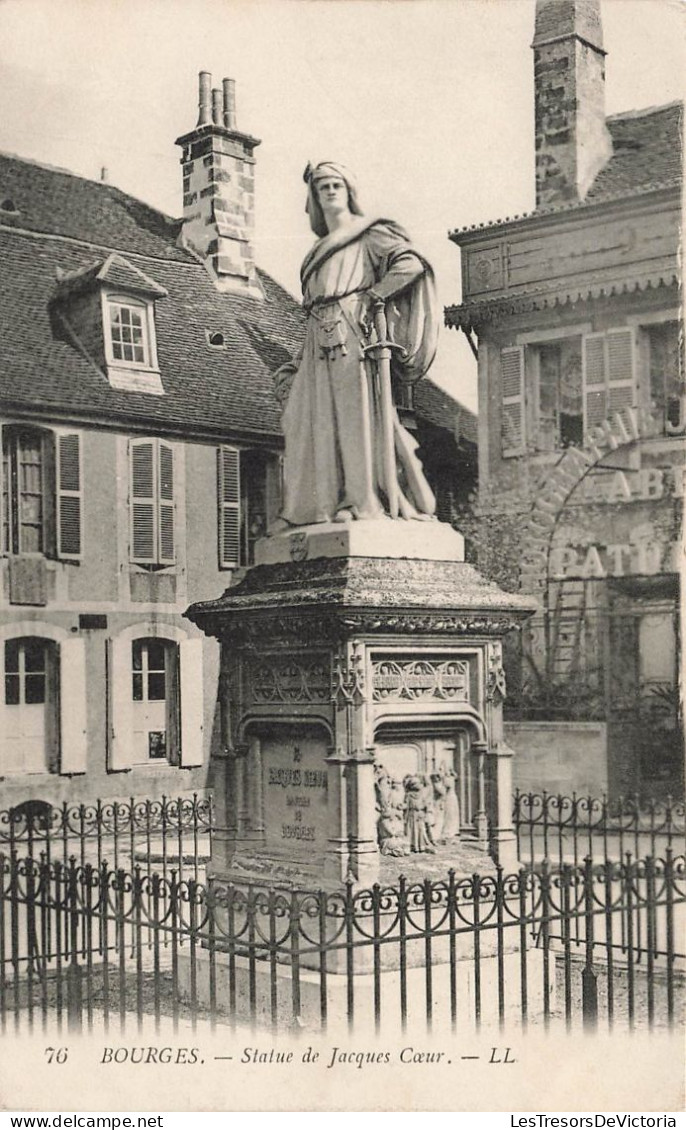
[228, 391]
[648, 156]
[648, 152]
[438, 407]
[57, 202]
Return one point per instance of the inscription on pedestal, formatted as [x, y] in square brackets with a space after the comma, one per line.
[296, 797]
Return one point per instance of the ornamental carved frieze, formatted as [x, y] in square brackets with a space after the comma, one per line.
[436, 623]
[496, 685]
[404, 679]
[274, 679]
[348, 677]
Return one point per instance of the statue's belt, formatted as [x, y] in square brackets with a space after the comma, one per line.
[317, 303]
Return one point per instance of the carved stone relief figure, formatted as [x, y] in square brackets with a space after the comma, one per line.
[390, 803]
[439, 787]
[417, 826]
[451, 821]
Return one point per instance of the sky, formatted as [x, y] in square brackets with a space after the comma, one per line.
[429, 102]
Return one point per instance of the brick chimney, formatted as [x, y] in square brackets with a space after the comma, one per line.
[219, 190]
[572, 140]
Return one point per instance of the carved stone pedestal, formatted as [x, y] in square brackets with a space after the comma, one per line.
[352, 655]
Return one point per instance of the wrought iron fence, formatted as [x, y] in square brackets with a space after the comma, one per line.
[565, 829]
[176, 832]
[82, 944]
[172, 832]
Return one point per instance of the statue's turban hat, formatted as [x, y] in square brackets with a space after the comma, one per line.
[314, 173]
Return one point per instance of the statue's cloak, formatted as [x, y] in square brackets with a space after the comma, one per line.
[334, 462]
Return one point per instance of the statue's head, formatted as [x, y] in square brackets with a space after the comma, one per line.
[317, 177]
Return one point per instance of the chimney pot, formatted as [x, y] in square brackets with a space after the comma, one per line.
[229, 86]
[219, 217]
[104, 175]
[205, 98]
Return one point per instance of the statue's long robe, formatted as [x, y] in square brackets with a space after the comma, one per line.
[332, 424]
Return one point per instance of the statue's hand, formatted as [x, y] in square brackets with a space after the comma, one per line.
[372, 302]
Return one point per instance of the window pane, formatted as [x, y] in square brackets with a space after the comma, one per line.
[157, 743]
[127, 332]
[31, 508]
[571, 430]
[34, 652]
[156, 653]
[34, 689]
[137, 687]
[137, 650]
[12, 655]
[549, 361]
[6, 497]
[12, 690]
[156, 686]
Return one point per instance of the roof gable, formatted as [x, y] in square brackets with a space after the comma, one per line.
[114, 271]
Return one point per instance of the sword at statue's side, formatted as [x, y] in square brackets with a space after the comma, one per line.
[381, 352]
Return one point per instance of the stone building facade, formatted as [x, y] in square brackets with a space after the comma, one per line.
[140, 462]
[577, 311]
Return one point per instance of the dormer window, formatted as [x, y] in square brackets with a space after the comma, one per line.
[122, 299]
[129, 333]
[130, 349]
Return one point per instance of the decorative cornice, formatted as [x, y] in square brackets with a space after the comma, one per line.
[242, 628]
[376, 594]
[471, 315]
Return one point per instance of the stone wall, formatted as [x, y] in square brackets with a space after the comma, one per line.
[560, 757]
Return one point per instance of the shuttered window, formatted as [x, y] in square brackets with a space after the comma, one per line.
[42, 493]
[151, 502]
[229, 499]
[512, 410]
[620, 370]
[69, 480]
[609, 375]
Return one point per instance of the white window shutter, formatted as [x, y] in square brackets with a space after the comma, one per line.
[229, 497]
[165, 482]
[120, 686]
[192, 702]
[72, 704]
[69, 495]
[512, 418]
[142, 503]
[620, 370]
[595, 381]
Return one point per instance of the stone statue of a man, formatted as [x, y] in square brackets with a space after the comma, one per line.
[347, 454]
